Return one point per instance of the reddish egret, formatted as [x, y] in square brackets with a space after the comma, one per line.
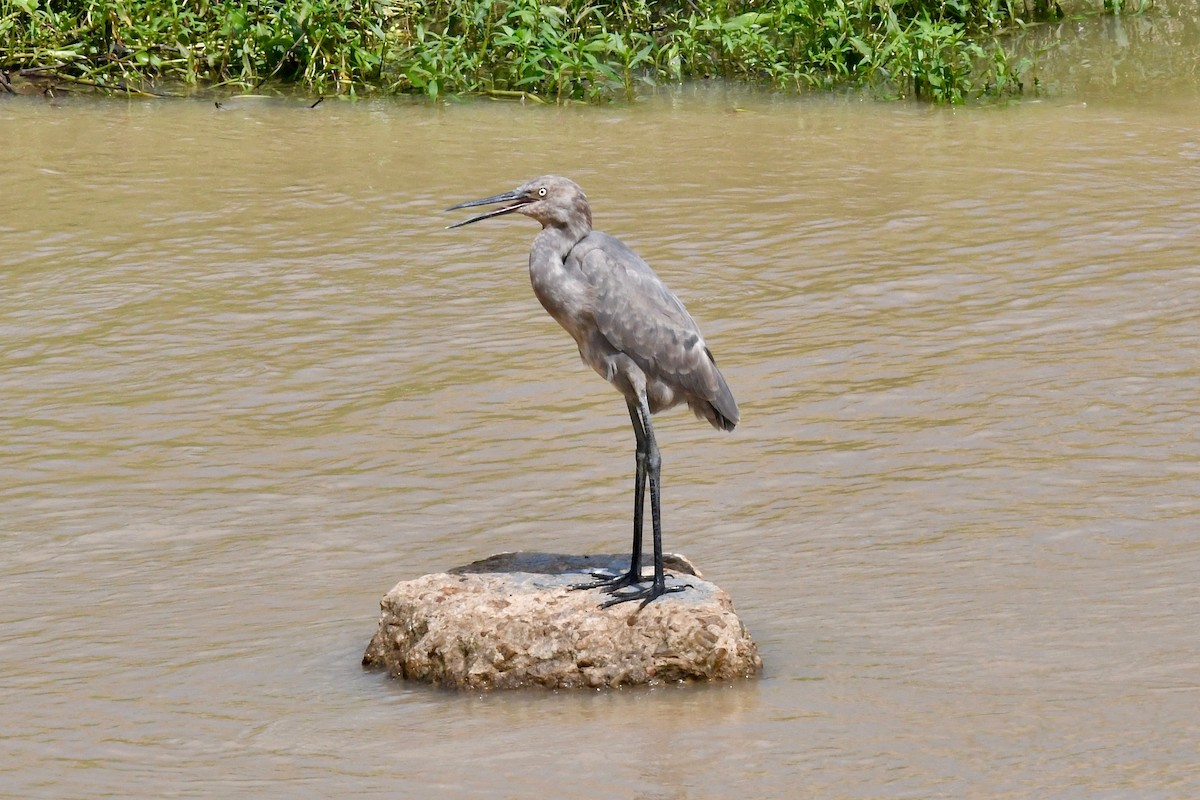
[630, 328]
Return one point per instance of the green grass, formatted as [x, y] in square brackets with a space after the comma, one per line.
[940, 50]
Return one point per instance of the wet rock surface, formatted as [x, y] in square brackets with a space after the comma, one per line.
[512, 621]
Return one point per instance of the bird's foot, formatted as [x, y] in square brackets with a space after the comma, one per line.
[613, 584]
[610, 583]
[646, 594]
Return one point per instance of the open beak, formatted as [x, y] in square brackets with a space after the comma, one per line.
[513, 200]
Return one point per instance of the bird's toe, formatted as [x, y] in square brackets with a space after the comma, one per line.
[646, 594]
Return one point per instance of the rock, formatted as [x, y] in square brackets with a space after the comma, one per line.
[511, 621]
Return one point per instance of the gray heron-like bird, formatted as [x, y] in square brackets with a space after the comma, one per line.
[630, 328]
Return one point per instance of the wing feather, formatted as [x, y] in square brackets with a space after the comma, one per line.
[639, 316]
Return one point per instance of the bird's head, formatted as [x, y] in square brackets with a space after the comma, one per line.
[551, 200]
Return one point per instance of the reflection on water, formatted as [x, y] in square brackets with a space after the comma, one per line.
[1150, 56]
[250, 382]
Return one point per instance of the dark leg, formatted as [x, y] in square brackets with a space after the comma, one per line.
[653, 468]
[634, 575]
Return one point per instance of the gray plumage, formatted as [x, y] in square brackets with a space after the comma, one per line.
[629, 327]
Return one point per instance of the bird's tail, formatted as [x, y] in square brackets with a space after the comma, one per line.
[719, 407]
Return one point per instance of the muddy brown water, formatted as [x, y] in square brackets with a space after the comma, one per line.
[248, 382]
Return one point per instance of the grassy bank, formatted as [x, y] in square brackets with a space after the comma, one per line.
[941, 50]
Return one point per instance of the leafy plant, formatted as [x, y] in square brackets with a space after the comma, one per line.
[554, 50]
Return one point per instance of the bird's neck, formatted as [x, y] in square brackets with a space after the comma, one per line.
[559, 239]
[557, 280]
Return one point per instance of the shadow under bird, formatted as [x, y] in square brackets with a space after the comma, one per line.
[631, 329]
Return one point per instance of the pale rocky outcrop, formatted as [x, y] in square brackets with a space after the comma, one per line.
[511, 621]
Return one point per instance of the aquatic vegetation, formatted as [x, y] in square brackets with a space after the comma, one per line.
[941, 50]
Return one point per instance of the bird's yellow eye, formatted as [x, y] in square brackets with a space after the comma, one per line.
[542, 192]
